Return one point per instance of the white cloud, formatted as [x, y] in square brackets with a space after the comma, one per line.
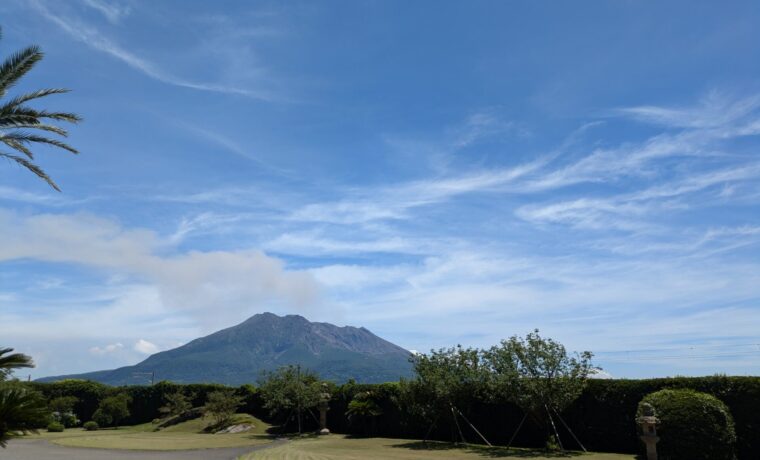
[204, 283]
[145, 347]
[107, 349]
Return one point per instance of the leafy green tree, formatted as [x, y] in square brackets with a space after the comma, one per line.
[445, 384]
[363, 407]
[63, 410]
[176, 403]
[538, 375]
[221, 405]
[112, 410]
[290, 391]
[21, 126]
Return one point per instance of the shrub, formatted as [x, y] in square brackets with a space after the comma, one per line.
[692, 425]
[55, 427]
[112, 410]
[91, 426]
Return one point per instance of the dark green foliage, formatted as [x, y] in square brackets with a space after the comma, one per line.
[447, 381]
[91, 426]
[88, 394]
[536, 373]
[692, 425]
[221, 406]
[112, 410]
[289, 392]
[55, 427]
[62, 404]
[62, 409]
[21, 410]
[603, 417]
[365, 410]
[175, 404]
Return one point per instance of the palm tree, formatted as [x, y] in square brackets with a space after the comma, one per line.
[21, 409]
[20, 125]
[12, 361]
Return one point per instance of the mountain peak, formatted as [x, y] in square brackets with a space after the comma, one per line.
[264, 342]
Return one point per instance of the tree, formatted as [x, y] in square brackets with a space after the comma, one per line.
[112, 410]
[290, 390]
[364, 408]
[10, 362]
[21, 409]
[446, 382]
[176, 403]
[17, 118]
[221, 405]
[538, 375]
[63, 410]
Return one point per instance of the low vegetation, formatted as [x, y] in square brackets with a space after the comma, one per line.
[187, 435]
[344, 448]
[692, 425]
[504, 395]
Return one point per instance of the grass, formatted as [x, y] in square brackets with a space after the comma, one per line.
[187, 435]
[336, 447]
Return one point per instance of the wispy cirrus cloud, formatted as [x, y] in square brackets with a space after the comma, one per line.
[92, 37]
[112, 11]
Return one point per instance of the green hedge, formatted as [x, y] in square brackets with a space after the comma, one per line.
[691, 425]
[603, 417]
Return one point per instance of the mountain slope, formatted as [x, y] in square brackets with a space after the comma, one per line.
[239, 354]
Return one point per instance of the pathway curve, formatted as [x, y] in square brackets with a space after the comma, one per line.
[25, 449]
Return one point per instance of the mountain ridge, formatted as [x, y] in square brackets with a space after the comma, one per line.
[240, 353]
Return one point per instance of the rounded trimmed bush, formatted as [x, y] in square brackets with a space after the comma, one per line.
[55, 427]
[692, 425]
[91, 426]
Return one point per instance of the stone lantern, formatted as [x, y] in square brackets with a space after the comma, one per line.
[324, 399]
[648, 422]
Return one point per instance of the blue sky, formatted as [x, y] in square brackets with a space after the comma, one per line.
[438, 172]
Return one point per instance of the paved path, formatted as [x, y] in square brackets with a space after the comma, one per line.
[24, 449]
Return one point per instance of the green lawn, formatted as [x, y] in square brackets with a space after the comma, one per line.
[188, 435]
[337, 447]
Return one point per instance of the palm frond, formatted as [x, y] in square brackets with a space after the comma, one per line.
[21, 138]
[16, 145]
[30, 114]
[17, 65]
[31, 167]
[21, 410]
[12, 123]
[18, 100]
[15, 360]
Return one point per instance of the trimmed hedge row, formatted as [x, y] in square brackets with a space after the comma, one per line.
[603, 417]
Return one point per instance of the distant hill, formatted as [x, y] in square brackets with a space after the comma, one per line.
[238, 354]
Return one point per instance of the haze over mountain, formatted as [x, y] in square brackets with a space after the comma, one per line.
[265, 341]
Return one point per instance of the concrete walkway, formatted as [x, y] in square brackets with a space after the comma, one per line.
[24, 449]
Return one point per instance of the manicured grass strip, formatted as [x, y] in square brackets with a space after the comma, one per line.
[187, 435]
[336, 447]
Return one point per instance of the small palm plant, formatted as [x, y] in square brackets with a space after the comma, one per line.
[364, 408]
[21, 409]
[21, 125]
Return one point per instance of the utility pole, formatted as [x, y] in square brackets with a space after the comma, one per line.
[298, 404]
